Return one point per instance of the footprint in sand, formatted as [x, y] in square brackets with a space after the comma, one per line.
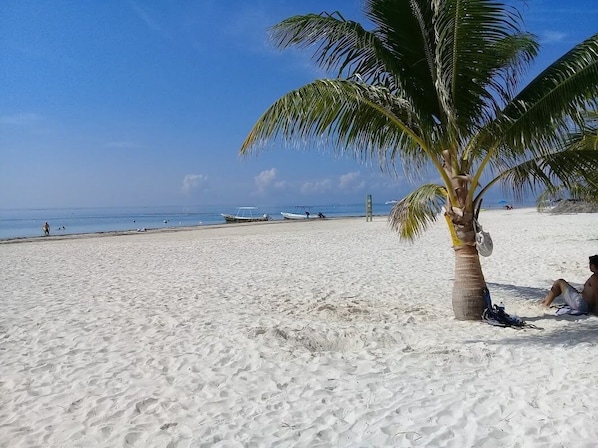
[143, 405]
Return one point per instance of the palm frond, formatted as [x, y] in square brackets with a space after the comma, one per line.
[480, 50]
[388, 56]
[569, 169]
[577, 192]
[570, 162]
[407, 35]
[413, 214]
[549, 196]
[587, 135]
[339, 44]
[541, 115]
[366, 122]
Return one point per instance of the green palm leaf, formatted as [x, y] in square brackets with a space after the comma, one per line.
[370, 56]
[541, 115]
[413, 214]
[364, 121]
[477, 43]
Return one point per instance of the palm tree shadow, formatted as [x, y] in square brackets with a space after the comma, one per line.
[523, 292]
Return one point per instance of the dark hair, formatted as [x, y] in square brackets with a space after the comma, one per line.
[594, 260]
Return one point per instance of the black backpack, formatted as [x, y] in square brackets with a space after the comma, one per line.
[496, 315]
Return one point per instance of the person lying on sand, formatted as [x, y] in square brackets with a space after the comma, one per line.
[584, 301]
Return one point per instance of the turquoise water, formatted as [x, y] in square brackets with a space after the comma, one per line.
[25, 223]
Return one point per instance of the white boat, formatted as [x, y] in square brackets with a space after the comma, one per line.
[286, 215]
[245, 214]
[294, 215]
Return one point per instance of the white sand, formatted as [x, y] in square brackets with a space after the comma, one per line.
[327, 333]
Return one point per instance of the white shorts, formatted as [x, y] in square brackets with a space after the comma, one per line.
[574, 299]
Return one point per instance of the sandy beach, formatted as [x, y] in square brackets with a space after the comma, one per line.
[331, 333]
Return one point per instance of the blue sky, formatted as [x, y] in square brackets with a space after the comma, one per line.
[143, 103]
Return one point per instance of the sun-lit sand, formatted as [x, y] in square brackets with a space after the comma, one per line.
[329, 333]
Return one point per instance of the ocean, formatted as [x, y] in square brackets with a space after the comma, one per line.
[27, 223]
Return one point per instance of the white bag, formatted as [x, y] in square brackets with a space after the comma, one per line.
[483, 242]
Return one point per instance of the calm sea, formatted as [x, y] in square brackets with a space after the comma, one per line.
[25, 223]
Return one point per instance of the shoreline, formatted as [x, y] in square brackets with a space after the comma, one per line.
[26, 223]
[56, 237]
[71, 236]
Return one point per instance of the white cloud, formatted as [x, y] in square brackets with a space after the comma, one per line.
[320, 186]
[265, 179]
[347, 179]
[551, 37]
[193, 182]
[351, 182]
[281, 184]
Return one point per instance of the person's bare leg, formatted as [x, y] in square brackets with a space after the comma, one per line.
[558, 287]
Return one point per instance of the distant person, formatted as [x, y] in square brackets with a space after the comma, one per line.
[584, 301]
[46, 229]
[321, 215]
[306, 214]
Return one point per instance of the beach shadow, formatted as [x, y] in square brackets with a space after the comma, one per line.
[562, 317]
[525, 292]
[569, 336]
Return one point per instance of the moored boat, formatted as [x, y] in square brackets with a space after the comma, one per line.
[299, 216]
[245, 214]
[286, 215]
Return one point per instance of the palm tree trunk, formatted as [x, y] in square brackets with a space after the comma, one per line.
[468, 298]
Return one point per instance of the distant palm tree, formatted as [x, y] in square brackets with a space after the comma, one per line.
[585, 138]
[434, 84]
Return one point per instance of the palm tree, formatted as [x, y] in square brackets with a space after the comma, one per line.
[434, 84]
